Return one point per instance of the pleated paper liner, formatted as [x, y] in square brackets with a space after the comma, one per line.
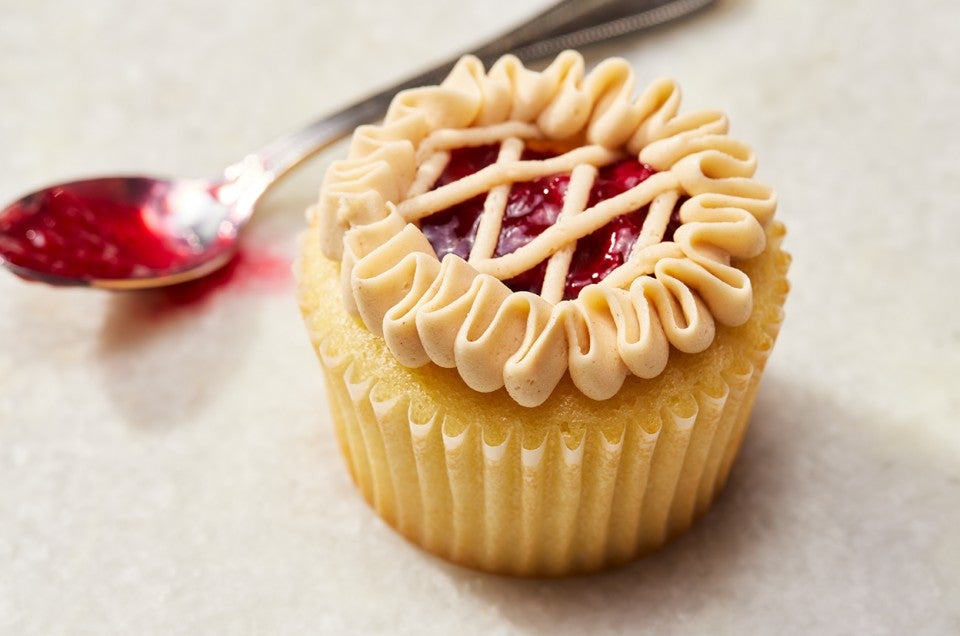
[535, 495]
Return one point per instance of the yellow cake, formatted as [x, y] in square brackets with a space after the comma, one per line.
[543, 307]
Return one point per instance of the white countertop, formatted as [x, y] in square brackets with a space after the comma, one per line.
[170, 468]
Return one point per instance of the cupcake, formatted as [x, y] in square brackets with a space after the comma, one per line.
[542, 305]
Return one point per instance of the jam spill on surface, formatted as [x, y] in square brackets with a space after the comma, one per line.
[534, 206]
[250, 270]
[72, 233]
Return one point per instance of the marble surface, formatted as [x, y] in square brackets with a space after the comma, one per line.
[167, 465]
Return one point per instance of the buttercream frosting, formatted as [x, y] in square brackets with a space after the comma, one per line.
[459, 313]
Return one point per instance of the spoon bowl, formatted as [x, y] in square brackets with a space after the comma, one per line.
[128, 232]
[140, 232]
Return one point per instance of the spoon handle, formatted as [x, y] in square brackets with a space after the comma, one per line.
[566, 24]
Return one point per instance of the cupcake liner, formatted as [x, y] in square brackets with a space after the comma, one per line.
[557, 507]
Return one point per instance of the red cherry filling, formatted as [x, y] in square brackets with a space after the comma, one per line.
[534, 206]
[609, 247]
[452, 231]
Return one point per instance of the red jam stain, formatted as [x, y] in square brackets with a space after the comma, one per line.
[249, 271]
[534, 206]
[84, 231]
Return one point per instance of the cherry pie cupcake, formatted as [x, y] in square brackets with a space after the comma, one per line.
[543, 306]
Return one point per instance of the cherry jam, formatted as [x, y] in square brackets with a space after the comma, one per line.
[90, 230]
[534, 206]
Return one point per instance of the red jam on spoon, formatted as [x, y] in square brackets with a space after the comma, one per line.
[95, 230]
[534, 206]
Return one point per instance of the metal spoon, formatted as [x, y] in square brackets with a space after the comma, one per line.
[140, 232]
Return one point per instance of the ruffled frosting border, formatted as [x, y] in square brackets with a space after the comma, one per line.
[454, 315]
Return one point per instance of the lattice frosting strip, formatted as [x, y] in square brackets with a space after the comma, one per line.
[494, 206]
[575, 202]
[460, 314]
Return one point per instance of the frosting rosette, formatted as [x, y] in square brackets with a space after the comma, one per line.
[702, 211]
